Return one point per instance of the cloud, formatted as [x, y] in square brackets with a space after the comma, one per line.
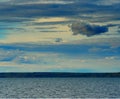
[52, 19]
[107, 2]
[58, 40]
[111, 57]
[95, 49]
[27, 10]
[56, 57]
[87, 29]
[42, 2]
[8, 54]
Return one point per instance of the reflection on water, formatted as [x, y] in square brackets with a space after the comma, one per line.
[59, 87]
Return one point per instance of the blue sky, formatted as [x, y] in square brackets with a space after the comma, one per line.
[59, 36]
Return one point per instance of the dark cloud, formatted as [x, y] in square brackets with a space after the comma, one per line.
[10, 28]
[19, 11]
[118, 31]
[14, 19]
[87, 29]
[37, 10]
[113, 25]
[58, 40]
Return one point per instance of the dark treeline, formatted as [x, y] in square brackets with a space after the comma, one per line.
[56, 74]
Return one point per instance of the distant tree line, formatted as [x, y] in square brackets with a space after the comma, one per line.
[56, 74]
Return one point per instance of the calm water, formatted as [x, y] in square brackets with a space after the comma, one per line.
[59, 87]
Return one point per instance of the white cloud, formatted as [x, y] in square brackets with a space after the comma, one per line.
[51, 19]
[4, 0]
[111, 57]
[40, 2]
[107, 2]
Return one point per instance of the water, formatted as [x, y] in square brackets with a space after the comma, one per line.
[59, 87]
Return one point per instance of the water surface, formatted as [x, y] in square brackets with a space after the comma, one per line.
[59, 87]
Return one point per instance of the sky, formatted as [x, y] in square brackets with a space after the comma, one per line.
[59, 36]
